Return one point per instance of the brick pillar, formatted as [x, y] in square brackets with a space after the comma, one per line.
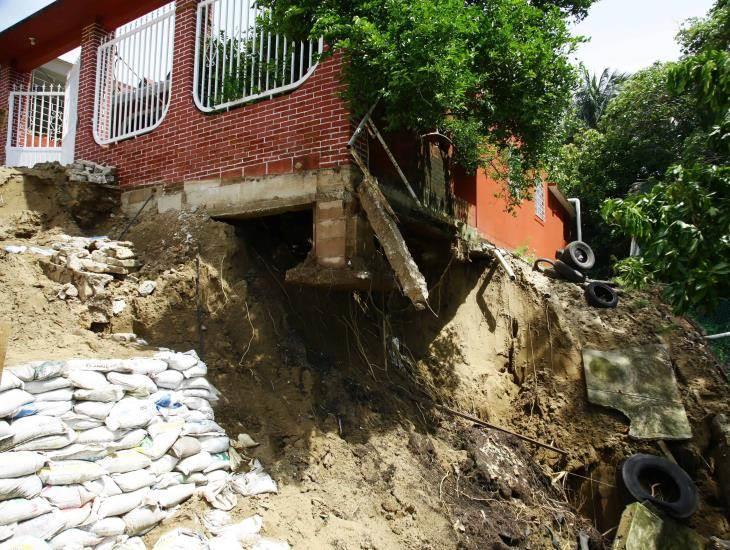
[330, 233]
[91, 37]
[10, 79]
[184, 60]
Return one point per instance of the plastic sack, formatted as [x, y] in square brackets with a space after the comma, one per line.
[34, 427]
[205, 394]
[108, 527]
[181, 539]
[12, 400]
[77, 451]
[103, 487]
[81, 422]
[219, 494]
[93, 409]
[20, 463]
[5, 431]
[168, 480]
[38, 370]
[67, 496]
[205, 427]
[70, 472]
[42, 386]
[131, 481]
[245, 531]
[87, 379]
[25, 543]
[125, 461]
[163, 436]
[144, 365]
[199, 369]
[220, 462]
[214, 444]
[101, 434]
[138, 384]
[74, 538]
[129, 440]
[185, 447]
[177, 361]
[20, 487]
[44, 527]
[119, 505]
[168, 379]
[163, 465]
[7, 531]
[254, 482]
[52, 408]
[130, 412]
[106, 394]
[195, 463]
[76, 517]
[216, 520]
[140, 520]
[9, 381]
[50, 442]
[174, 495]
[20, 509]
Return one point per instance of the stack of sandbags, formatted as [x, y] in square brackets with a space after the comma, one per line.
[94, 451]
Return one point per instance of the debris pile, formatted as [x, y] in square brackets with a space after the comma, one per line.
[95, 451]
[85, 170]
[89, 264]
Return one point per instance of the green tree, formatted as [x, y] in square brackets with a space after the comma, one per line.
[594, 94]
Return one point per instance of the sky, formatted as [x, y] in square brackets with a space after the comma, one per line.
[625, 34]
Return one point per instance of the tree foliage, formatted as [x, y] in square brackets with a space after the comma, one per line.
[594, 94]
[492, 74]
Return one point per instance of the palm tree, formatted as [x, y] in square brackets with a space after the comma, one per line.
[594, 94]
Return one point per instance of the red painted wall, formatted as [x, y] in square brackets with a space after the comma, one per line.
[302, 130]
[522, 228]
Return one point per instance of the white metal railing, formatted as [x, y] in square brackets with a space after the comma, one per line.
[238, 58]
[133, 77]
[35, 126]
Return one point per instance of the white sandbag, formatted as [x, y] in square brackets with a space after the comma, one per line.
[33, 427]
[254, 482]
[131, 412]
[195, 463]
[70, 472]
[12, 400]
[119, 505]
[7, 531]
[205, 427]
[132, 543]
[25, 543]
[177, 361]
[107, 394]
[205, 394]
[78, 451]
[131, 439]
[103, 487]
[38, 370]
[81, 422]
[220, 462]
[108, 527]
[125, 461]
[168, 479]
[43, 527]
[139, 384]
[199, 478]
[67, 496]
[168, 379]
[20, 509]
[77, 517]
[140, 520]
[87, 379]
[185, 447]
[64, 394]
[172, 496]
[199, 369]
[20, 487]
[20, 463]
[163, 465]
[219, 494]
[166, 399]
[102, 434]
[93, 409]
[9, 381]
[216, 520]
[98, 365]
[197, 383]
[195, 416]
[131, 481]
[49, 442]
[42, 386]
[73, 539]
[143, 365]
[163, 436]
[5, 431]
[214, 444]
[181, 539]
[52, 408]
[245, 531]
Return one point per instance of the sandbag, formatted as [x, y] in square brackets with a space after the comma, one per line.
[131, 481]
[219, 494]
[49, 443]
[42, 386]
[43, 527]
[76, 517]
[7, 531]
[108, 527]
[38, 370]
[199, 478]
[74, 538]
[25, 543]
[87, 380]
[52, 408]
[81, 422]
[33, 427]
[9, 381]
[131, 412]
[177, 361]
[245, 531]
[5, 431]
[195, 463]
[119, 505]
[214, 444]
[20, 487]
[106, 394]
[138, 384]
[140, 520]
[168, 479]
[185, 447]
[130, 440]
[163, 436]
[20, 463]
[98, 365]
[67, 496]
[64, 394]
[163, 465]
[125, 461]
[205, 394]
[103, 487]
[172, 496]
[20, 509]
[12, 400]
[254, 482]
[199, 369]
[70, 472]
[144, 365]
[220, 462]
[102, 434]
[93, 409]
[205, 427]
[168, 379]
[78, 451]
[181, 539]
[198, 404]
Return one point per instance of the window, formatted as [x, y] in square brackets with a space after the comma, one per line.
[539, 198]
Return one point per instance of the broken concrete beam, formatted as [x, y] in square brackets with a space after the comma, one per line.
[88, 284]
[382, 220]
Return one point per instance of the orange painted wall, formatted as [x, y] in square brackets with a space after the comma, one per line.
[523, 228]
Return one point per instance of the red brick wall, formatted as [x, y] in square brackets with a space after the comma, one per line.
[302, 130]
[9, 80]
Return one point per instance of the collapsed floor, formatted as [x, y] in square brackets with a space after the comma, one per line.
[341, 390]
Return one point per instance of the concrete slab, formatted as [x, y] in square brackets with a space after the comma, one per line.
[642, 528]
[640, 383]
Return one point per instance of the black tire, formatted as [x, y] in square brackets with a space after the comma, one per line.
[578, 255]
[568, 273]
[661, 482]
[601, 295]
[536, 265]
